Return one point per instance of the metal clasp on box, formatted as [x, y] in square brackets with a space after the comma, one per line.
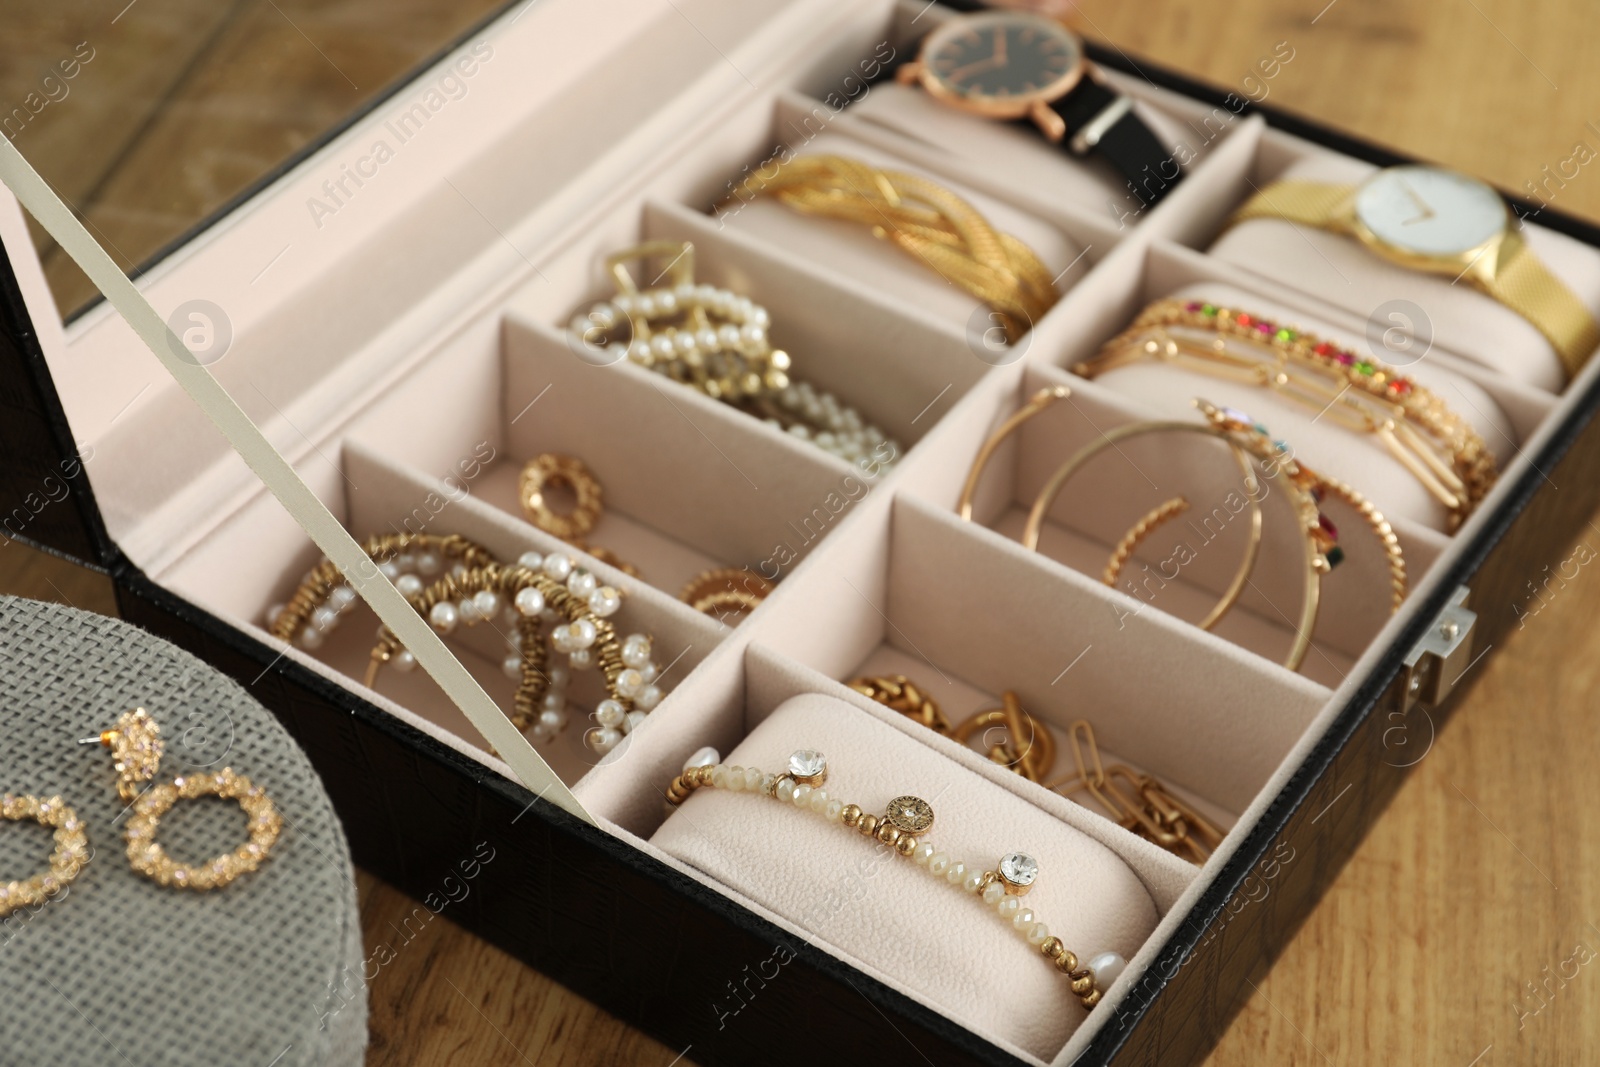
[1437, 662]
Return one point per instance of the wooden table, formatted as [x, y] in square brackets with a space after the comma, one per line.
[1462, 931]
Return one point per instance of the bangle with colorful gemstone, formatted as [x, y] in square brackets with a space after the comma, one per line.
[1307, 490]
[903, 827]
[1435, 445]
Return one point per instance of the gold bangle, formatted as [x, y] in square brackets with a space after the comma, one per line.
[903, 827]
[925, 219]
[1046, 397]
[1306, 486]
[1439, 448]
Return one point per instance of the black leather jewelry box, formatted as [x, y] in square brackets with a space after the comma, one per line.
[144, 499]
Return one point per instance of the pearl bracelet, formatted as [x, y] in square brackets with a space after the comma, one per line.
[455, 583]
[902, 827]
[716, 341]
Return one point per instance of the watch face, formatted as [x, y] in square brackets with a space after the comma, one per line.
[1003, 58]
[1430, 211]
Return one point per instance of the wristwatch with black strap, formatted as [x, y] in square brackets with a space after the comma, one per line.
[1015, 65]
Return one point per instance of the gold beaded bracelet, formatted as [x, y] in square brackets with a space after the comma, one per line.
[902, 827]
[465, 586]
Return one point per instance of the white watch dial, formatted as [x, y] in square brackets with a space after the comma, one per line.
[1430, 211]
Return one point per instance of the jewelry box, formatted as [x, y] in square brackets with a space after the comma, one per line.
[397, 305]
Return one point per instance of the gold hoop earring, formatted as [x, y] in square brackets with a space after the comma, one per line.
[1039, 401]
[1130, 542]
[549, 470]
[136, 745]
[540, 589]
[66, 860]
[1026, 746]
[408, 560]
[1306, 487]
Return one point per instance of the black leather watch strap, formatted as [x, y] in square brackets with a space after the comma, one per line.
[1127, 143]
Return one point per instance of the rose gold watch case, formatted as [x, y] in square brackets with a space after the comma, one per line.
[1035, 104]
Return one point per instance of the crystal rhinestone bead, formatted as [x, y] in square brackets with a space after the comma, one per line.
[807, 763]
[1019, 868]
[1236, 415]
[909, 815]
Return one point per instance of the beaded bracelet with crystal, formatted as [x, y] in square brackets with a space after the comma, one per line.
[903, 827]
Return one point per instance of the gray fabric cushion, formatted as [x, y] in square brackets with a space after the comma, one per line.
[118, 970]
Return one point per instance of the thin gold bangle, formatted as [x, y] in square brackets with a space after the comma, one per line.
[1322, 551]
[1414, 425]
[1046, 397]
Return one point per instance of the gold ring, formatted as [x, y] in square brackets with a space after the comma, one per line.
[723, 591]
[551, 469]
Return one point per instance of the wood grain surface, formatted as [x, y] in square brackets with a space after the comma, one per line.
[1461, 933]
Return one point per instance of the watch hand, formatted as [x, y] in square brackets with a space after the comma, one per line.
[999, 46]
[956, 76]
[1427, 212]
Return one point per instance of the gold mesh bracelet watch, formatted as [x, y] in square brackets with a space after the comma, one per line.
[1443, 222]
